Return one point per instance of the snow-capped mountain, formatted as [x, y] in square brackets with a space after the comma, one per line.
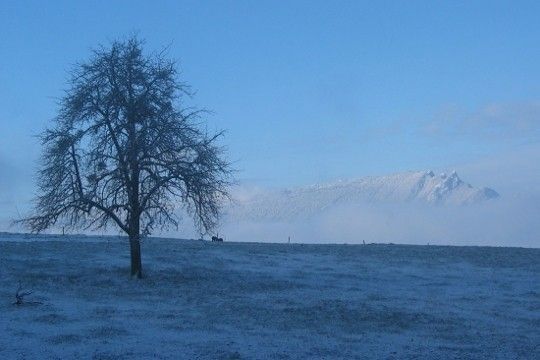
[419, 187]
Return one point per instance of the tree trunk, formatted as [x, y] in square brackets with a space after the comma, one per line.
[133, 186]
[136, 263]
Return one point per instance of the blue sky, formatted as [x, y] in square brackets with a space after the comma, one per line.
[309, 91]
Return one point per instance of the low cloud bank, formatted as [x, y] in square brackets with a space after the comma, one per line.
[503, 222]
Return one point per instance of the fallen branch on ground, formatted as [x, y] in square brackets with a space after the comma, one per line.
[19, 297]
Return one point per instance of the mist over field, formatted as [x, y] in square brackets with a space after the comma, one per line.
[511, 219]
[481, 224]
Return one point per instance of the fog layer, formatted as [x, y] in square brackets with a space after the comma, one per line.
[501, 222]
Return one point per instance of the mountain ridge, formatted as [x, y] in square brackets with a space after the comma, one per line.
[409, 187]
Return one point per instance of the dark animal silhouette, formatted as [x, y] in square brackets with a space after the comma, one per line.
[215, 238]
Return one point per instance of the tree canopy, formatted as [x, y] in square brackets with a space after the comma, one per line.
[125, 150]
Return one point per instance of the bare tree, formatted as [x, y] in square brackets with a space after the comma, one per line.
[125, 151]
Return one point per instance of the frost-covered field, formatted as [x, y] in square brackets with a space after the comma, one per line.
[250, 301]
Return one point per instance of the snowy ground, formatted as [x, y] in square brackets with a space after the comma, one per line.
[251, 301]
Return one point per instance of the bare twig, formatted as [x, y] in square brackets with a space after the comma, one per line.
[19, 297]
